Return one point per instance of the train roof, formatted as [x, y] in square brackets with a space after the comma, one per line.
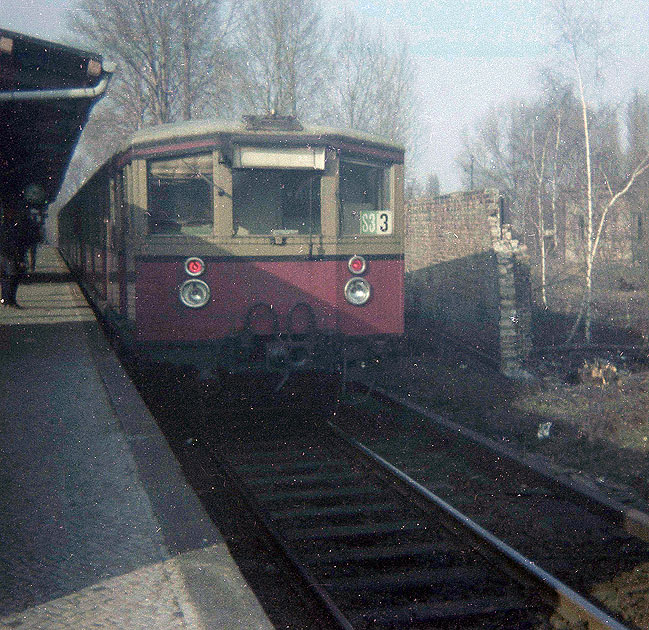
[205, 133]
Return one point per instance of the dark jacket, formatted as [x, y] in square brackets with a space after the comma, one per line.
[14, 231]
[33, 235]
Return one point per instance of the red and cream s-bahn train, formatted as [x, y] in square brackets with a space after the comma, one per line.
[261, 244]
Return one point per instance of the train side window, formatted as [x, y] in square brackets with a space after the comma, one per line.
[364, 204]
[265, 200]
[180, 195]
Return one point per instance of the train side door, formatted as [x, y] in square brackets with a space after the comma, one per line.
[110, 236]
[122, 206]
[111, 250]
[115, 245]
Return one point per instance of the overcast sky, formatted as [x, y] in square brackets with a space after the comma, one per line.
[470, 54]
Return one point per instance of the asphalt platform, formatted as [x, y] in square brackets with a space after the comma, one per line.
[98, 528]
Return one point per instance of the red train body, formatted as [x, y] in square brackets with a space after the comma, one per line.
[255, 245]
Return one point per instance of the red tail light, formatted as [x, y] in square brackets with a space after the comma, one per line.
[357, 264]
[194, 266]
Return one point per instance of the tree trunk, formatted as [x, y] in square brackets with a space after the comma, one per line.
[544, 297]
[588, 290]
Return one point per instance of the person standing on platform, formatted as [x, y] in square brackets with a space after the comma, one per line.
[34, 237]
[14, 224]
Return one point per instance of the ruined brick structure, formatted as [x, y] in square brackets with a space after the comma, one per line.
[467, 277]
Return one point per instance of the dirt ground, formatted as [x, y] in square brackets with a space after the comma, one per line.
[603, 422]
[599, 433]
[596, 429]
[595, 433]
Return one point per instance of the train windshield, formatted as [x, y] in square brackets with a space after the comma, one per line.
[268, 200]
[180, 199]
[363, 199]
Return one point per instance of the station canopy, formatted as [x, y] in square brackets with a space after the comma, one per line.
[47, 91]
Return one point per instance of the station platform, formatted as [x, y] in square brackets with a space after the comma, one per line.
[98, 528]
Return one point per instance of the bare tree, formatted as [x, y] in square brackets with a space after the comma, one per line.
[351, 99]
[582, 34]
[496, 155]
[171, 58]
[637, 125]
[344, 72]
[370, 81]
[637, 118]
[432, 185]
[205, 73]
[550, 158]
[395, 109]
[539, 165]
[283, 46]
[412, 188]
[177, 60]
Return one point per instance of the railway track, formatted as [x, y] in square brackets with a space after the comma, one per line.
[561, 524]
[378, 549]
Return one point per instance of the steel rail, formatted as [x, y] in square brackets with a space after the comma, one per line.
[631, 520]
[569, 603]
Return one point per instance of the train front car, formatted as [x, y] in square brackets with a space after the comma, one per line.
[261, 245]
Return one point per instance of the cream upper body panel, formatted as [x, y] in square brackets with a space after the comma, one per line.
[223, 189]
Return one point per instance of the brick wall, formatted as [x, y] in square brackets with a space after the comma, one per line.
[466, 276]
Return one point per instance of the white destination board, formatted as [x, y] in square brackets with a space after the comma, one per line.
[376, 222]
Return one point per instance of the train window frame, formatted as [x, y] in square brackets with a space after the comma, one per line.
[287, 195]
[371, 219]
[196, 170]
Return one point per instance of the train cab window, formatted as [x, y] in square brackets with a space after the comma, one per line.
[268, 200]
[364, 205]
[180, 197]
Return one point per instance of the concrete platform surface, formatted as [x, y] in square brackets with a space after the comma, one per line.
[98, 529]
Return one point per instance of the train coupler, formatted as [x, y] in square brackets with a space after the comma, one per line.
[288, 356]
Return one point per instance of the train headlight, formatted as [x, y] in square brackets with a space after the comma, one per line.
[194, 293]
[194, 266]
[357, 264]
[357, 291]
